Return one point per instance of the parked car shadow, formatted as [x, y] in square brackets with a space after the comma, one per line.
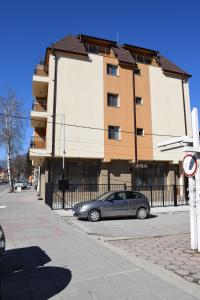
[24, 276]
[150, 216]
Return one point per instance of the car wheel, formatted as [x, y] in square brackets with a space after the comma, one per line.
[142, 213]
[94, 215]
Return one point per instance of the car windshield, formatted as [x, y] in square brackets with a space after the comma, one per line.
[104, 196]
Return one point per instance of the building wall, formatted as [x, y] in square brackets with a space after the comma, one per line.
[80, 98]
[122, 116]
[143, 114]
[167, 112]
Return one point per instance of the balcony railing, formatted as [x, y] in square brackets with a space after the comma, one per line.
[97, 49]
[39, 105]
[38, 142]
[41, 70]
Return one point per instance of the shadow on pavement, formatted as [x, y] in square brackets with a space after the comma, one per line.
[24, 276]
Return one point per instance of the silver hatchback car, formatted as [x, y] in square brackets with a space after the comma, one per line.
[114, 204]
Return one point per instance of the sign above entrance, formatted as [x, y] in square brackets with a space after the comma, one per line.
[189, 165]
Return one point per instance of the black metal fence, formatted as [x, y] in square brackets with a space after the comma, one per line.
[167, 195]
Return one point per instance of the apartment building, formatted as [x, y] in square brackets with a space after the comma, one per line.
[101, 109]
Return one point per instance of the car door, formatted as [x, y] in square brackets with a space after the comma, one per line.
[134, 199]
[116, 205]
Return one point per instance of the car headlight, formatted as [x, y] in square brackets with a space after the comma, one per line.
[83, 208]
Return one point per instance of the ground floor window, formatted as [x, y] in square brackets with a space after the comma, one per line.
[149, 175]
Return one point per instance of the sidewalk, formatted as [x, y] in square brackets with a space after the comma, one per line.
[48, 258]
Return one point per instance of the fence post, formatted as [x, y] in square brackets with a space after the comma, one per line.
[175, 195]
[163, 195]
[151, 196]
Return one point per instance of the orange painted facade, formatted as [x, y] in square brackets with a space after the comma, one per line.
[123, 116]
[143, 113]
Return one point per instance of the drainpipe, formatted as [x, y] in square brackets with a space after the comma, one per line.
[184, 108]
[135, 123]
[54, 112]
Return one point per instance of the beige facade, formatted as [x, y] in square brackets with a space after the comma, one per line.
[74, 86]
[167, 112]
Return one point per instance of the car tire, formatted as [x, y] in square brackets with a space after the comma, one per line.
[142, 213]
[94, 215]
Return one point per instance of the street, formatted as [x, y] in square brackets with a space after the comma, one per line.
[3, 187]
[49, 257]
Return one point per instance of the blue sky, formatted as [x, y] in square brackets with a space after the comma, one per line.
[27, 27]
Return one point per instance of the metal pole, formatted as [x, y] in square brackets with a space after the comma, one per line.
[193, 215]
[196, 144]
[63, 165]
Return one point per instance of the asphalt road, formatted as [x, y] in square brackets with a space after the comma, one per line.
[3, 187]
[158, 224]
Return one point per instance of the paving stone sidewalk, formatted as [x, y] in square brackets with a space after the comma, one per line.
[171, 252]
[47, 258]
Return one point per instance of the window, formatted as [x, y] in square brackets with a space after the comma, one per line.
[112, 70]
[140, 131]
[132, 195]
[114, 132]
[113, 100]
[137, 70]
[138, 100]
[120, 196]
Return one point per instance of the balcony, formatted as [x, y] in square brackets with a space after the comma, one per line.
[40, 81]
[39, 105]
[39, 113]
[41, 70]
[38, 142]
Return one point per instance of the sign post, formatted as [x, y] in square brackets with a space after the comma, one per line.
[196, 144]
[191, 167]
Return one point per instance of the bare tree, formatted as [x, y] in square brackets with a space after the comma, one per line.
[18, 166]
[11, 128]
[21, 166]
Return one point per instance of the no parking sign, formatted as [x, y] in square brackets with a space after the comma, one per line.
[189, 165]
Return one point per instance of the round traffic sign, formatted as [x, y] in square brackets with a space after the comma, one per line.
[189, 165]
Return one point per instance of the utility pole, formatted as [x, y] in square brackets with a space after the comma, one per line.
[8, 150]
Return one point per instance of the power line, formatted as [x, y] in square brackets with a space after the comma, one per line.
[87, 127]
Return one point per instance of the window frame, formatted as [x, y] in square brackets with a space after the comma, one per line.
[141, 98]
[119, 133]
[138, 132]
[117, 96]
[116, 67]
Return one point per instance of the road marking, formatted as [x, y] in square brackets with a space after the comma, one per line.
[2, 206]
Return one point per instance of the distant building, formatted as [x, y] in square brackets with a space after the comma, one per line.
[117, 103]
[3, 175]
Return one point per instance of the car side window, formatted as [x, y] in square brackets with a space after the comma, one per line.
[120, 196]
[111, 197]
[133, 195]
